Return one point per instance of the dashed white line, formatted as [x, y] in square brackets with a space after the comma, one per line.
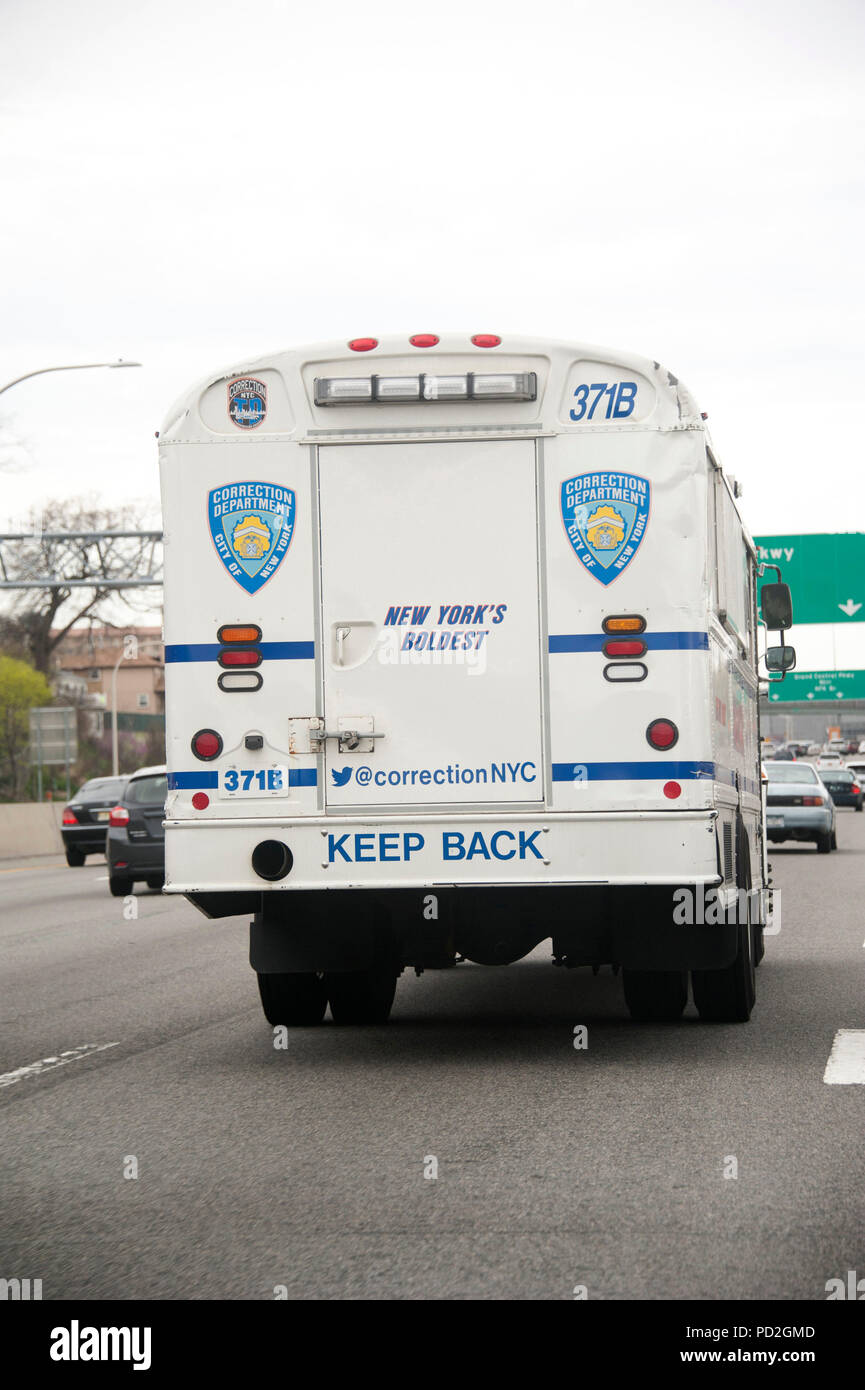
[73, 1054]
[846, 1065]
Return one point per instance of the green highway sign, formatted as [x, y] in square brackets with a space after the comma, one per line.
[826, 574]
[818, 685]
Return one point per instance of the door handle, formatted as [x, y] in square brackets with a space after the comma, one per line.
[341, 634]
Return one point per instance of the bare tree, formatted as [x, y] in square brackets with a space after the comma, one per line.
[37, 620]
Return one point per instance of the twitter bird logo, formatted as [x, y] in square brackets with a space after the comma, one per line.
[340, 778]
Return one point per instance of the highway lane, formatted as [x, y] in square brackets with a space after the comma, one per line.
[304, 1168]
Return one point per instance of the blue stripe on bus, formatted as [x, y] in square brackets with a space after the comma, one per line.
[271, 651]
[626, 772]
[209, 781]
[655, 641]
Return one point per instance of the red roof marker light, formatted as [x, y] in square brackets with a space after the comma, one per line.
[424, 340]
[363, 344]
[486, 340]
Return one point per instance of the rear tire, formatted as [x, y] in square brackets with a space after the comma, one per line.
[655, 996]
[296, 1000]
[834, 840]
[759, 942]
[119, 885]
[75, 857]
[728, 995]
[824, 843]
[361, 996]
[156, 885]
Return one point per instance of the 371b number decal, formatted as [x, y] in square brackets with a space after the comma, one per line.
[251, 781]
[621, 397]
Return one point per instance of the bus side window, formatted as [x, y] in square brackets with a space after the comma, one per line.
[734, 595]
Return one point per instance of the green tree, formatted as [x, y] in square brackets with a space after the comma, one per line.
[21, 687]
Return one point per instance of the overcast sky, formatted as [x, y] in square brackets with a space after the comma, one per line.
[187, 183]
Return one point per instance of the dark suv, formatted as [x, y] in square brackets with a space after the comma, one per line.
[843, 786]
[85, 819]
[136, 839]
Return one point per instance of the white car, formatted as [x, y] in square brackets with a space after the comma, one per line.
[829, 760]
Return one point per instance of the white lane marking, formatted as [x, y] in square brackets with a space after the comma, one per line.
[74, 1054]
[846, 1065]
[102, 878]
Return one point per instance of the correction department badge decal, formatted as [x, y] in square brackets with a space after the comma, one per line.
[247, 402]
[605, 517]
[252, 525]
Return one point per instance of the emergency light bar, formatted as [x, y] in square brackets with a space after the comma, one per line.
[470, 386]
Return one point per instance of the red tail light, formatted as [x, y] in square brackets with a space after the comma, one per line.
[69, 818]
[240, 656]
[855, 789]
[119, 817]
[662, 733]
[635, 647]
[813, 801]
[206, 745]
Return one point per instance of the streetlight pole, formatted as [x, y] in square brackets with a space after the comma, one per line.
[115, 759]
[71, 367]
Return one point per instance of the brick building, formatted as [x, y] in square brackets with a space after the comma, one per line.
[89, 654]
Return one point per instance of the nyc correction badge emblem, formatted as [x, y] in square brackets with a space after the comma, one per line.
[605, 517]
[252, 525]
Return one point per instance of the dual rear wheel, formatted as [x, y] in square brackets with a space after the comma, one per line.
[721, 996]
[355, 996]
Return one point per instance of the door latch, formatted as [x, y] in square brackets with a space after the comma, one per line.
[349, 740]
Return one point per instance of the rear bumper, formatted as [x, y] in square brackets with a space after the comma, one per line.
[797, 822]
[441, 851]
[138, 859]
[89, 838]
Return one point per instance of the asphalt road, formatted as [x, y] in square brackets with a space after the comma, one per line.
[304, 1168]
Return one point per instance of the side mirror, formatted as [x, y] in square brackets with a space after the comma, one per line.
[780, 658]
[776, 607]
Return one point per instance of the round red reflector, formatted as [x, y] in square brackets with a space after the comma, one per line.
[423, 340]
[206, 744]
[363, 344]
[486, 340]
[662, 733]
[672, 790]
[201, 801]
